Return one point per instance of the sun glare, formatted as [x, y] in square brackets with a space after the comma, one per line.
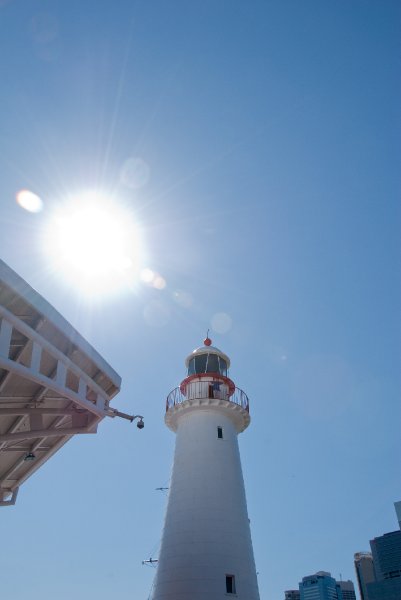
[94, 244]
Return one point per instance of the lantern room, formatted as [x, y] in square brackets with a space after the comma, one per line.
[207, 359]
[210, 365]
[207, 384]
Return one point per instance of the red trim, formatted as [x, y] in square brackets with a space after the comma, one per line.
[213, 376]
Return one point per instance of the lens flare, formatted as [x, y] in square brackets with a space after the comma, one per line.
[159, 282]
[29, 201]
[221, 322]
[153, 279]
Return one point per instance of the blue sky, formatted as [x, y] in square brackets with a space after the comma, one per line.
[270, 133]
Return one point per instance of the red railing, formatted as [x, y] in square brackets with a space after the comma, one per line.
[207, 389]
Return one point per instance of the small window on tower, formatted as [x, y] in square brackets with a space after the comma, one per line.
[220, 433]
[230, 584]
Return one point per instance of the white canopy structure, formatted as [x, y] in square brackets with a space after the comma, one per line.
[53, 384]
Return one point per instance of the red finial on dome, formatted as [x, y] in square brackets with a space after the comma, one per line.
[207, 341]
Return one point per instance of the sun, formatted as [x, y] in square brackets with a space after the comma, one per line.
[94, 243]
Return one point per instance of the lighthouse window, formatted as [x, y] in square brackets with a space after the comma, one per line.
[230, 584]
[212, 363]
[200, 363]
[207, 363]
[220, 433]
[223, 366]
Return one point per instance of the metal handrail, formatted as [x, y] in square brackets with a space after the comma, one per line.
[207, 389]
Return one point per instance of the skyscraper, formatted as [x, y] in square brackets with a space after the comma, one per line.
[386, 553]
[379, 572]
[206, 548]
[345, 590]
[292, 595]
[365, 572]
[397, 506]
[322, 586]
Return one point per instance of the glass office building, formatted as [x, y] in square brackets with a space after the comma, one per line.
[379, 572]
[322, 586]
[386, 553]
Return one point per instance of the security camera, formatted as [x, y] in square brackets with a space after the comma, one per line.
[140, 424]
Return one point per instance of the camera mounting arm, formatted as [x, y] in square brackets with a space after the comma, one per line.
[112, 412]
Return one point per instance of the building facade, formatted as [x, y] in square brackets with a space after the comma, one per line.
[397, 506]
[322, 586]
[365, 572]
[386, 553]
[346, 590]
[379, 571]
[292, 595]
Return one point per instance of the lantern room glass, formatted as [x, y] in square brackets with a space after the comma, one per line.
[207, 363]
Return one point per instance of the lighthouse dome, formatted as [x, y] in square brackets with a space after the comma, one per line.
[207, 359]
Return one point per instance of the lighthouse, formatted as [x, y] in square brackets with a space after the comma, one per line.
[206, 548]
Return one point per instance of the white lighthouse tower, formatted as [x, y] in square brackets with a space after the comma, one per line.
[206, 550]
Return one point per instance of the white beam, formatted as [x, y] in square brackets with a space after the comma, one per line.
[43, 433]
[5, 337]
[40, 411]
[64, 392]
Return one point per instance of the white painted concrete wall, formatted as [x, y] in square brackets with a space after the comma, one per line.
[206, 533]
